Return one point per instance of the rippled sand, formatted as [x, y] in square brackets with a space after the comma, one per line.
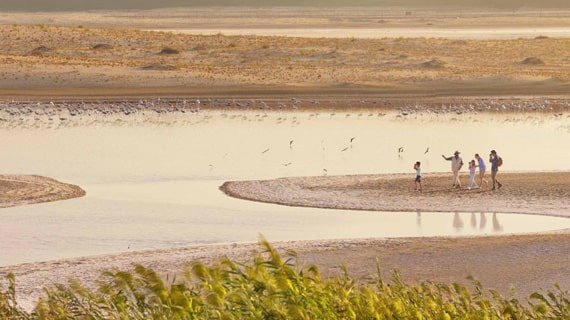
[525, 262]
[93, 56]
[17, 190]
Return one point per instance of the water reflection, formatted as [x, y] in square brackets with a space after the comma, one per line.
[155, 185]
[374, 33]
[483, 222]
[458, 222]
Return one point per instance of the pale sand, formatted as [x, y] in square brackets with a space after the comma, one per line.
[87, 58]
[526, 262]
[537, 193]
[17, 190]
[71, 68]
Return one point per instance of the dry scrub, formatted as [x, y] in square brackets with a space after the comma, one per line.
[274, 62]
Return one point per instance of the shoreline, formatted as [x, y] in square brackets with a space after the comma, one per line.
[394, 192]
[71, 68]
[525, 262]
[500, 262]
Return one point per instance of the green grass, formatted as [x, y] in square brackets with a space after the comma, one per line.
[271, 286]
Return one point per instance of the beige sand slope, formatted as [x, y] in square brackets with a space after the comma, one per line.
[76, 55]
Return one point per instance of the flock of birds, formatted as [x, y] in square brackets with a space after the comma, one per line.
[349, 146]
[62, 110]
[67, 111]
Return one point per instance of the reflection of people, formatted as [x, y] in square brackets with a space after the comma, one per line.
[482, 168]
[494, 159]
[456, 164]
[473, 220]
[472, 167]
[483, 222]
[457, 222]
[418, 176]
[419, 219]
[496, 225]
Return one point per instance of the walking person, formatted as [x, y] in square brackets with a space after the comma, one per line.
[417, 167]
[482, 168]
[456, 164]
[496, 162]
[472, 168]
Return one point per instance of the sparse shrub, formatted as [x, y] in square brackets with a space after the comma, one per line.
[160, 67]
[532, 61]
[40, 50]
[102, 46]
[169, 50]
[432, 64]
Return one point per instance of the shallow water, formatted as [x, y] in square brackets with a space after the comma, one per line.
[153, 183]
[379, 33]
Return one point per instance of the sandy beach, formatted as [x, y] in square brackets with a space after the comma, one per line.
[66, 67]
[526, 263]
[18, 190]
[533, 193]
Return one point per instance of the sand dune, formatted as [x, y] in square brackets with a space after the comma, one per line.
[104, 56]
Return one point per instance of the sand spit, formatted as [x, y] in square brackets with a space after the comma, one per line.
[16, 190]
[534, 193]
[528, 263]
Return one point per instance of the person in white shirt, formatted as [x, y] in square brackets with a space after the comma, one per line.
[456, 164]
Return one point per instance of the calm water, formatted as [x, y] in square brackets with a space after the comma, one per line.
[378, 33]
[154, 183]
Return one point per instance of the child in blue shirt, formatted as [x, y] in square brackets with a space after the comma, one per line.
[418, 176]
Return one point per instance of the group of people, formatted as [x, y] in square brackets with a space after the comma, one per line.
[457, 164]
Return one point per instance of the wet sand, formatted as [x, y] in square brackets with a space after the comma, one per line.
[545, 193]
[17, 190]
[527, 263]
[81, 58]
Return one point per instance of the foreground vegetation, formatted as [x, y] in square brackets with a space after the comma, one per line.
[274, 287]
